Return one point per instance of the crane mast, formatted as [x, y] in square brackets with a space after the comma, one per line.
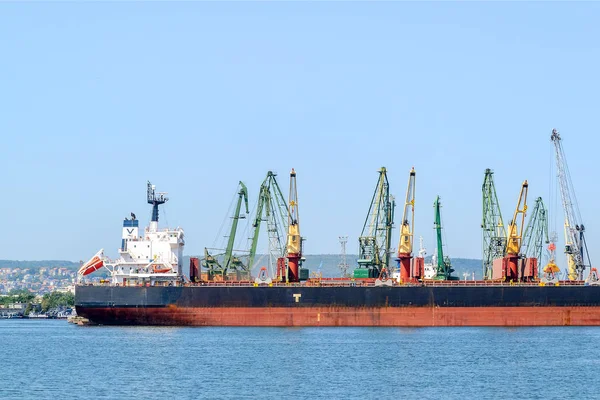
[574, 228]
[493, 230]
[405, 245]
[376, 237]
[294, 240]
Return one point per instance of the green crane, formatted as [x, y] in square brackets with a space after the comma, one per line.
[272, 208]
[536, 232]
[229, 260]
[375, 240]
[493, 230]
[443, 264]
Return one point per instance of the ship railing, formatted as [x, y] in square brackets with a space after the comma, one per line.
[341, 282]
[345, 282]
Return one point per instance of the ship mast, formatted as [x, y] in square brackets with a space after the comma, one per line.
[155, 199]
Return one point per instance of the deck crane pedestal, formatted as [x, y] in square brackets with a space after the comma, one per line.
[575, 246]
[376, 237]
[405, 245]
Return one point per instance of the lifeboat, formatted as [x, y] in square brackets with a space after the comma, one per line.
[94, 264]
[158, 270]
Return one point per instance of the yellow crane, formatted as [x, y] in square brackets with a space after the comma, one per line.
[294, 240]
[515, 236]
[405, 246]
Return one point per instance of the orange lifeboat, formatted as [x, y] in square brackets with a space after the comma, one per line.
[94, 264]
[157, 270]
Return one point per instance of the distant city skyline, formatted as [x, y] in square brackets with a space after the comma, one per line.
[99, 98]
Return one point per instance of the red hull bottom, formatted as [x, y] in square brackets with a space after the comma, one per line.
[340, 316]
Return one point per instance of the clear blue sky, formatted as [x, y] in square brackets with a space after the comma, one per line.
[97, 98]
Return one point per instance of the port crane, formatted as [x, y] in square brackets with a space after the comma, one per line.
[493, 230]
[294, 240]
[514, 239]
[443, 265]
[272, 208]
[230, 261]
[405, 245]
[575, 245]
[376, 237]
[536, 232]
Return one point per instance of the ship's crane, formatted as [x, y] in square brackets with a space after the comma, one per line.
[493, 230]
[536, 232]
[376, 237]
[444, 266]
[230, 261]
[294, 240]
[272, 209]
[575, 246]
[405, 245]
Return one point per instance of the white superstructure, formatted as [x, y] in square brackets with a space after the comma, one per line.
[153, 257]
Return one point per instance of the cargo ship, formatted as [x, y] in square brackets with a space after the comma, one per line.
[146, 285]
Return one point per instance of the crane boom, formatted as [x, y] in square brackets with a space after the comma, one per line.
[574, 228]
[242, 194]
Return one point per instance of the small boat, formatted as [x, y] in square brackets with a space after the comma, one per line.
[158, 270]
[94, 264]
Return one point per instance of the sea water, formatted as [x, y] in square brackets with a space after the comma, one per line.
[51, 359]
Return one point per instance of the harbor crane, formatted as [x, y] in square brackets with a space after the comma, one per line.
[443, 265]
[230, 261]
[272, 208]
[405, 245]
[493, 230]
[575, 245]
[536, 232]
[515, 235]
[376, 237]
[294, 240]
